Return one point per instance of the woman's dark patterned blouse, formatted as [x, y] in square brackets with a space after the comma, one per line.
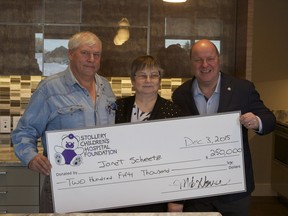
[163, 109]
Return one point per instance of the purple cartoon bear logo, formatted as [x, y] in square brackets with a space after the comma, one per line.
[69, 152]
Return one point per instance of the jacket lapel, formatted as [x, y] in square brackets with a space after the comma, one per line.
[188, 97]
[226, 90]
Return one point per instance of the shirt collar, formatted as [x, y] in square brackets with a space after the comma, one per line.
[197, 91]
[71, 80]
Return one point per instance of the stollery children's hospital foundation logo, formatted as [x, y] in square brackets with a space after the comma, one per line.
[69, 152]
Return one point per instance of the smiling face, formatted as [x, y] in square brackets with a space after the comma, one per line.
[205, 62]
[147, 81]
[85, 61]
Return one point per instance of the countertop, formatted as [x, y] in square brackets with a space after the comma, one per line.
[281, 117]
[7, 157]
[124, 214]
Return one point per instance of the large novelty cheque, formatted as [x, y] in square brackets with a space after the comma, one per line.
[149, 162]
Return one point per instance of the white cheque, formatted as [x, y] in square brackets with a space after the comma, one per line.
[143, 163]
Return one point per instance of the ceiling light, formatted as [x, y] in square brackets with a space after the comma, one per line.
[123, 33]
[175, 1]
[124, 22]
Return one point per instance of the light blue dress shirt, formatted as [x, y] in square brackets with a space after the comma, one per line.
[60, 102]
[204, 106]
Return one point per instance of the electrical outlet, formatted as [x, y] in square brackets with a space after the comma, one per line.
[5, 124]
[15, 120]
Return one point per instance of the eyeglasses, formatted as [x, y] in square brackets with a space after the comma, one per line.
[87, 54]
[152, 76]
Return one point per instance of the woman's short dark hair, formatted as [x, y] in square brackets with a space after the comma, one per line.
[142, 62]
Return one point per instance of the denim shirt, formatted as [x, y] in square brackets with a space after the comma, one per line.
[59, 102]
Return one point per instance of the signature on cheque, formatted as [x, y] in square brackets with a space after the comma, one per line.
[199, 182]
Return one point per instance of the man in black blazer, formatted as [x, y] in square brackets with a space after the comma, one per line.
[211, 91]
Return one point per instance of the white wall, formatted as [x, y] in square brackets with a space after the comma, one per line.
[274, 93]
[270, 76]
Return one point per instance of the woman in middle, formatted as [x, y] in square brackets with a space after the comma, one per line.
[147, 105]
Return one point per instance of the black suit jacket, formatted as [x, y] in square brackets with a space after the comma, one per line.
[235, 94]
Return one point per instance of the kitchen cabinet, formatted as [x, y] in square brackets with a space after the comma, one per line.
[279, 171]
[19, 190]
